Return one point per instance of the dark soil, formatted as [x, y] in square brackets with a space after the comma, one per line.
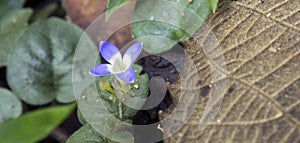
[155, 66]
[3, 82]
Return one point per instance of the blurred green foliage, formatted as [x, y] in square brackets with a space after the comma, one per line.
[7, 5]
[13, 23]
[34, 126]
[10, 105]
[45, 60]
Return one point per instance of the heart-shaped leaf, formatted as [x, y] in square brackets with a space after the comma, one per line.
[40, 66]
[34, 126]
[10, 105]
[159, 24]
[12, 26]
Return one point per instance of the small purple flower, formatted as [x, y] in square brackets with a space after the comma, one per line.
[118, 65]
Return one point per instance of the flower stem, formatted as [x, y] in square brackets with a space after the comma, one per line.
[122, 90]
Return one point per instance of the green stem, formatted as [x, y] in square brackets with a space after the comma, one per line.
[121, 111]
[122, 93]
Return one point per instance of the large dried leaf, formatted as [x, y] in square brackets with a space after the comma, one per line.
[260, 40]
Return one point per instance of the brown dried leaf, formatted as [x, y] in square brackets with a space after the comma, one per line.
[84, 12]
[262, 101]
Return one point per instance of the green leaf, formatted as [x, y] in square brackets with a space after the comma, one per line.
[81, 119]
[115, 134]
[44, 11]
[88, 135]
[6, 5]
[34, 126]
[122, 137]
[93, 113]
[139, 90]
[12, 26]
[10, 105]
[113, 5]
[160, 24]
[85, 135]
[106, 86]
[213, 5]
[40, 67]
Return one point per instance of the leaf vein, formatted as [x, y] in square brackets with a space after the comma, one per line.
[270, 18]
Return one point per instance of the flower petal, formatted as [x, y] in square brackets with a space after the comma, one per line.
[128, 75]
[110, 52]
[101, 70]
[132, 53]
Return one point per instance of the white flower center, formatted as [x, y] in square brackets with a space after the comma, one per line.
[118, 66]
